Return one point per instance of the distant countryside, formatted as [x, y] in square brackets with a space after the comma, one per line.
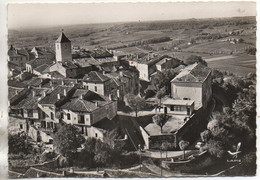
[226, 43]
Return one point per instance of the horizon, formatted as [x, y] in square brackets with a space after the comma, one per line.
[25, 16]
[124, 22]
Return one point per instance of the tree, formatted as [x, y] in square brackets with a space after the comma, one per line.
[205, 135]
[17, 144]
[194, 59]
[160, 120]
[183, 145]
[67, 140]
[135, 102]
[165, 145]
[215, 148]
[160, 94]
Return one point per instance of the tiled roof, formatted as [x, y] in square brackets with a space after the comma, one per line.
[13, 92]
[100, 53]
[85, 101]
[31, 99]
[41, 68]
[52, 98]
[56, 74]
[68, 65]
[38, 62]
[85, 62]
[196, 72]
[36, 82]
[58, 82]
[18, 84]
[62, 38]
[94, 76]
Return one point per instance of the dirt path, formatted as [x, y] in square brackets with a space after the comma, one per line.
[157, 170]
[219, 58]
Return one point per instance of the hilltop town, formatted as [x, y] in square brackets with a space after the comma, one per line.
[104, 112]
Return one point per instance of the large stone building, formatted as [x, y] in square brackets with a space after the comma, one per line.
[150, 63]
[193, 83]
[63, 49]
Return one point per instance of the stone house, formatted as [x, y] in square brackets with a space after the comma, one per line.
[97, 82]
[193, 83]
[18, 57]
[86, 108]
[148, 64]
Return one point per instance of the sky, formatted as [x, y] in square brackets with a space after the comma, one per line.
[46, 15]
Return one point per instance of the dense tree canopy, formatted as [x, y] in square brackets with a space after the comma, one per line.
[194, 59]
[236, 123]
[17, 144]
[67, 140]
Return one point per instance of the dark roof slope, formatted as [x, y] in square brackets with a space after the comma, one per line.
[94, 76]
[62, 38]
[85, 101]
[41, 68]
[52, 98]
[193, 73]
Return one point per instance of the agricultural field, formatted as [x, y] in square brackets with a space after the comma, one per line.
[208, 38]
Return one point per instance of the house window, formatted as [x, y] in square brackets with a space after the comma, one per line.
[81, 119]
[172, 108]
[86, 87]
[21, 126]
[62, 115]
[43, 115]
[48, 125]
[82, 130]
[30, 113]
[96, 135]
[52, 115]
[68, 116]
[96, 88]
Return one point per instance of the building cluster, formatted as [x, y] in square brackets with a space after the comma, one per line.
[81, 87]
[190, 92]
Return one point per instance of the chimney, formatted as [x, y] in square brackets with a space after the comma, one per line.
[62, 82]
[16, 92]
[44, 94]
[110, 97]
[33, 93]
[121, 73]
[96, 103]
[52, 88]
[58, 96]
[65, 92]
[81, 96]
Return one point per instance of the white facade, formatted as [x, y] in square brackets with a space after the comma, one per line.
[186, 90]
[63, 51]
[95, 87]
